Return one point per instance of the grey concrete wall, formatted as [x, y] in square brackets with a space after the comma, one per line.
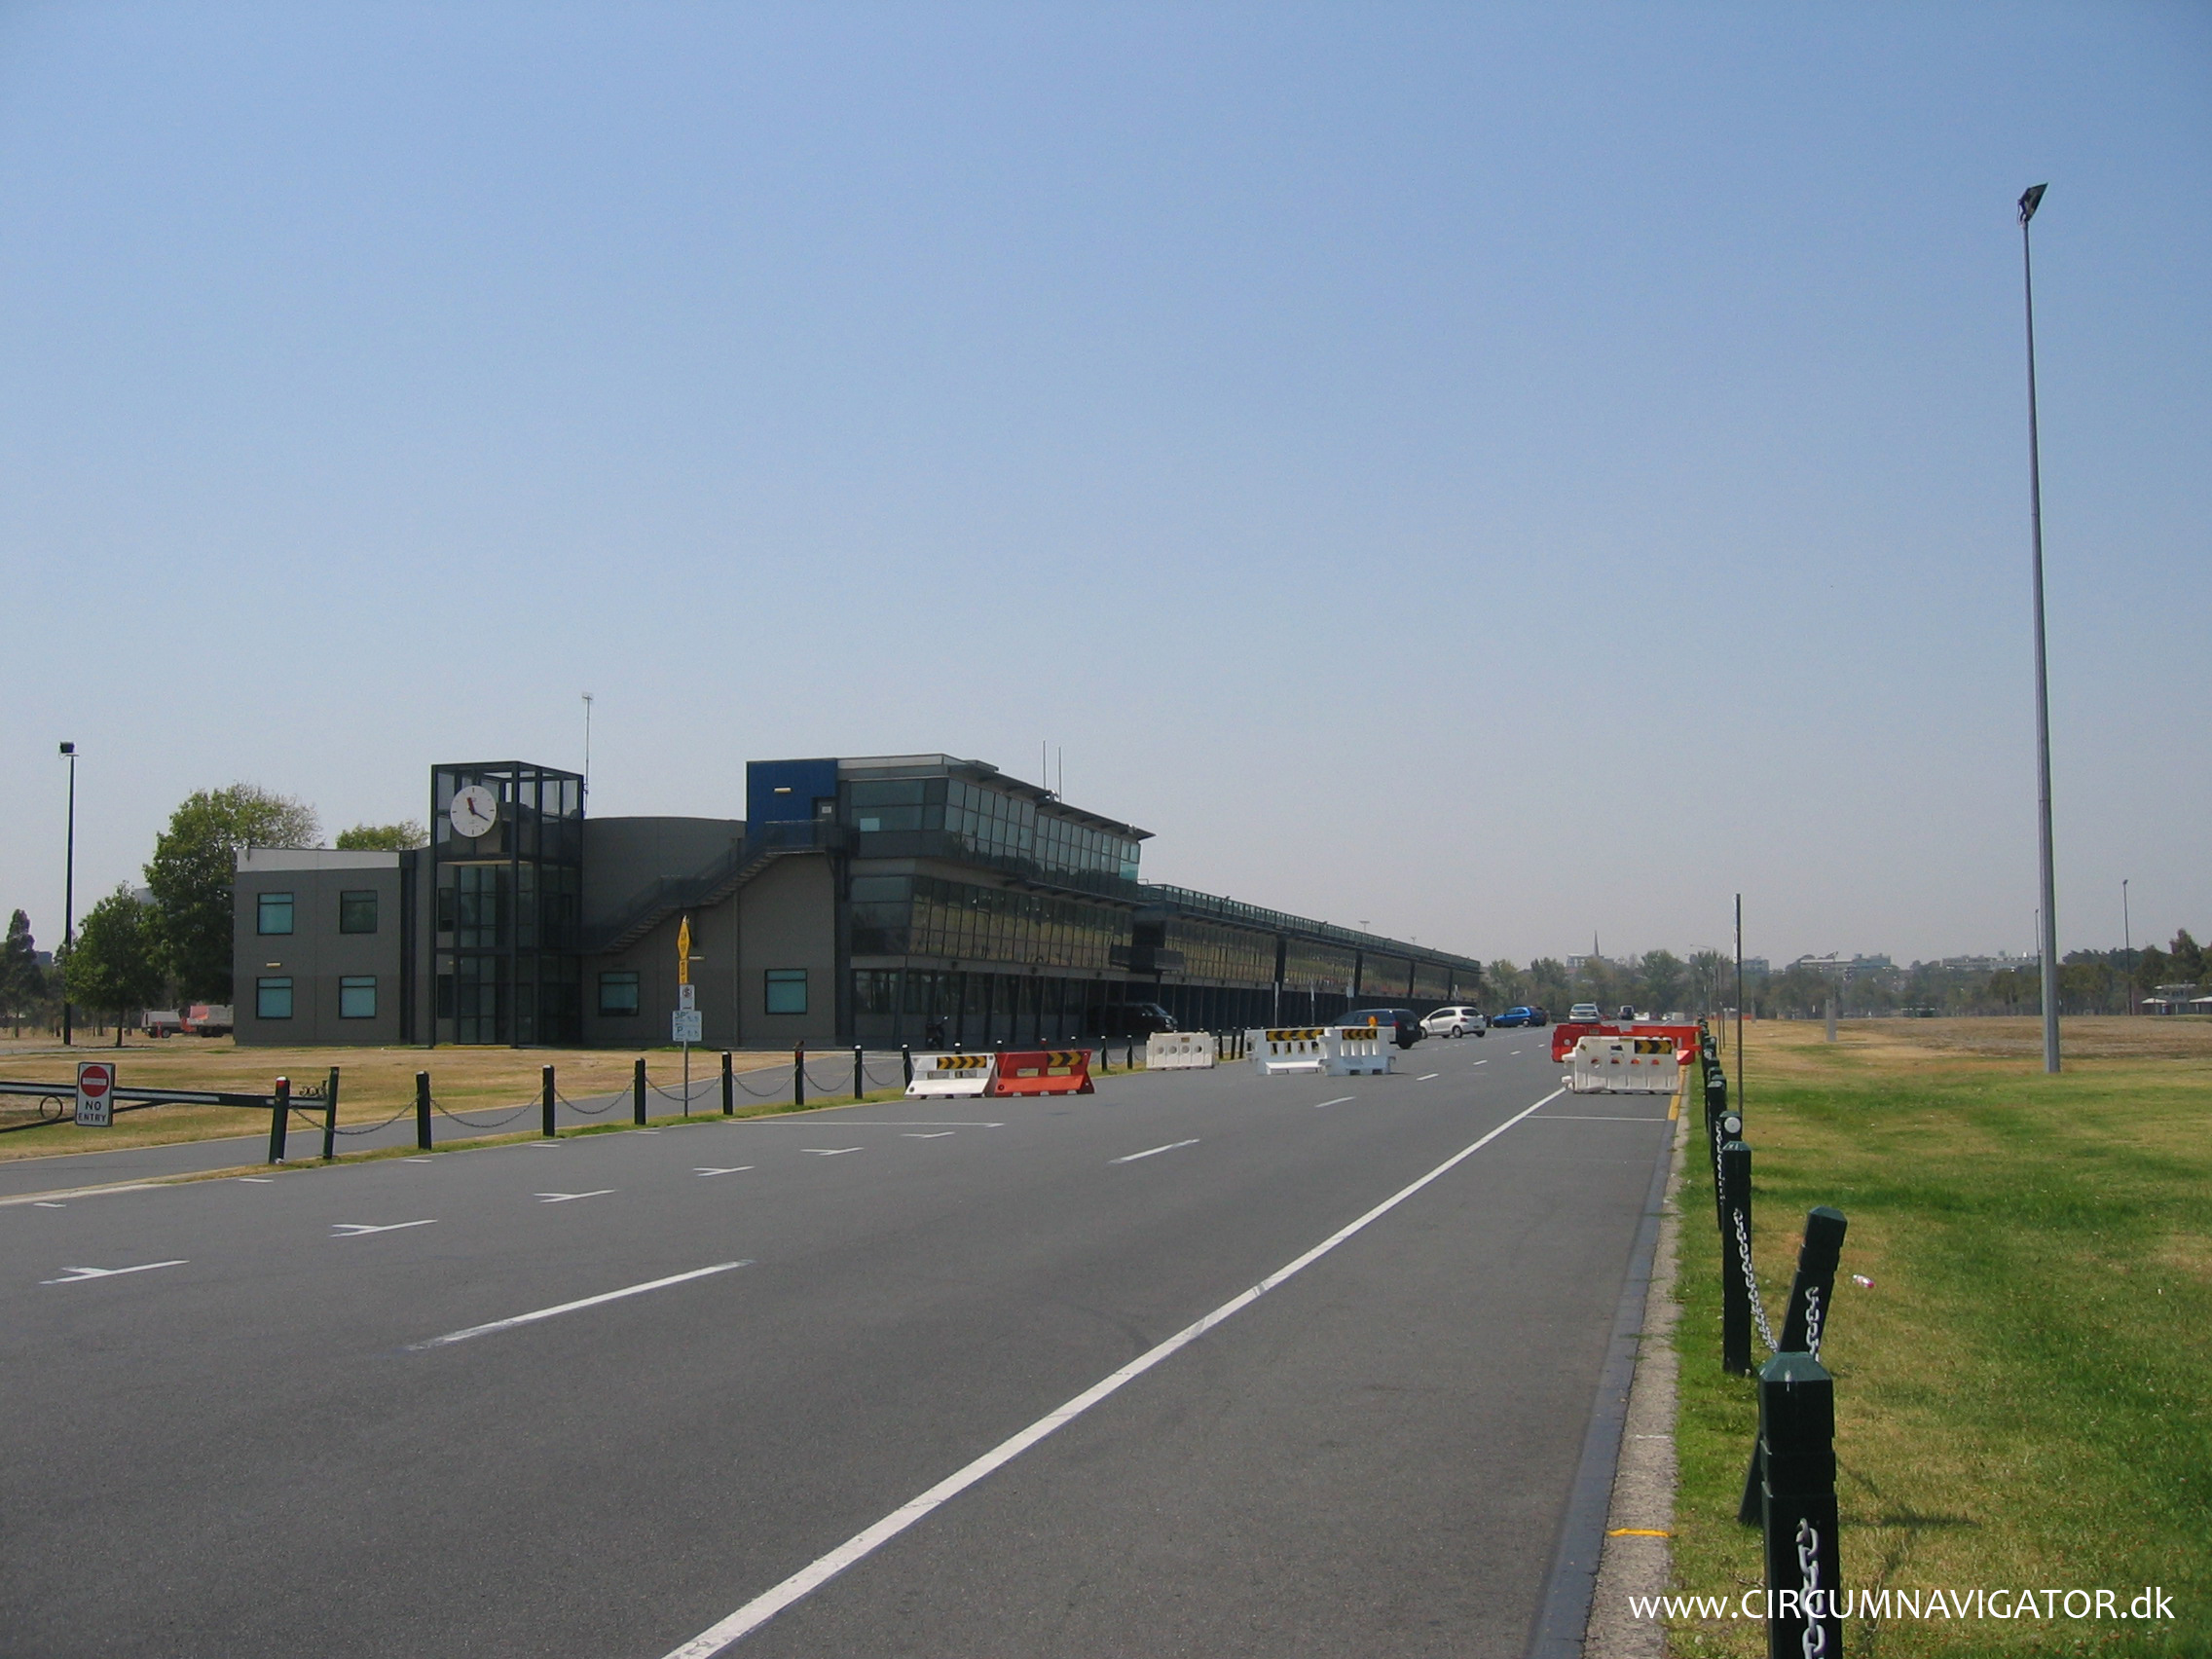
[624, 856]
[315, 956]
[788, 919]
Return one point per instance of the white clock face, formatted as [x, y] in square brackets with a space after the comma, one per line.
[475, 809]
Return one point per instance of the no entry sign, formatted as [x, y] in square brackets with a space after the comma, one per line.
[96, 1093]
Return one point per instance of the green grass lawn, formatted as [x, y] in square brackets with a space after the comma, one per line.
[2024, 1393]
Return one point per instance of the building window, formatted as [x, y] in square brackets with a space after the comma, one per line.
[357, 912]
[618, 994]
[272, 998]
[358, 998]
[787, 990]
[272, 914]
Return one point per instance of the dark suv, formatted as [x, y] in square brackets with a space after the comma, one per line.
[1402, 1022]
[1138, 1020]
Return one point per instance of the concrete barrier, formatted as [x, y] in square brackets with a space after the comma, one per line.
[1179, 1050]
[950, 1074]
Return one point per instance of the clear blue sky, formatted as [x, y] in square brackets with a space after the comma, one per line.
[1499, 473]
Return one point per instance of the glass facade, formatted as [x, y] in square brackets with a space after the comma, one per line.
[508, 907]
[1211, 953]
[1384, 977]
[991, 824]
[926, 915]
[273, 913]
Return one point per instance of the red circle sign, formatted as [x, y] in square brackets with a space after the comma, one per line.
[96, 1080]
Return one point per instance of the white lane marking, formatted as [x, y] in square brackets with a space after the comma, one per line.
[79, 1191]
[77, 1276]
[1482, 1062]
[418, 1161]
[1339, 1100]
[633, 1131]
[829, 1151]
[767, 1604]
[933, 1134]
[737, 1171]
[863, 1124]
[1426, 1077]
[464, 1334]
[1517, 1051]
[42, 1204]
[361, 1229]
[258, 1180]
[570, 1197]
[1171, 1146]
[555, 1146]
[1588, 1118]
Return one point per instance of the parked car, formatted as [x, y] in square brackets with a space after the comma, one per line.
[1457, 1020]
[1628, 1012]
[1403, 1021]
[1516, 1017]
[1139, 1020]
[1539, 1017]
[1583, 1014]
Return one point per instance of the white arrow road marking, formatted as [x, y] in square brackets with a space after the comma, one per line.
[932, 1134]
[828, 1150]
[1171, 1146]
[358, 1229]
[77, 1276]
[739, 1171]
[464, 1334]
[1341, 1100]
[865, 1543]
[570, 1197]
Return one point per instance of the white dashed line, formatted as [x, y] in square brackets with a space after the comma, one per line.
[1171, 1146]
[78, 1275]
[1428, 1077]
[932, 1134]
[462, 1335]
[739, 1171]
[829, 1151]
[1339, 1100]
[570, 1197]
[42, 1204]
[361, 1229]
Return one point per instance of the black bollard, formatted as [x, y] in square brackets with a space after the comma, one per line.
[422, 1111]
[638, 1092]
[330, 1117]
[279, 1118]
[798, 1072]
[860, 1076]
[906, 1062]
[729, 1087]
[1810, 1294]
[545, 1100]
[1735, 1253]
[1798, 1508]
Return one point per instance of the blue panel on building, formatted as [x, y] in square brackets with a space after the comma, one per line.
[785, 791]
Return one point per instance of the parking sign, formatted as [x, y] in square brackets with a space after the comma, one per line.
[96, 1093]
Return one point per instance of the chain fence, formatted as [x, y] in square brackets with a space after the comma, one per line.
[523, 1110]
[405, 1111]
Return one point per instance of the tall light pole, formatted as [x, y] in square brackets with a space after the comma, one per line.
[2128, 944]
[68, 894]
[2047, 927]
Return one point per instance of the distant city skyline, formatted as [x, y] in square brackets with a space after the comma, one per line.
[1499, 472]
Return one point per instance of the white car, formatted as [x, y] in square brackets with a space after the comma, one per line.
[1457, 1021]
[1583, 1014]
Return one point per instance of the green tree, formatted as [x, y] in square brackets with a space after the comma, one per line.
[194, 866]
[1549, 984]
[112, 964]
[1665, 980]
[381, 837]
[22, 982]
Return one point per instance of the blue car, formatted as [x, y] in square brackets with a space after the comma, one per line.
[1516, 1017]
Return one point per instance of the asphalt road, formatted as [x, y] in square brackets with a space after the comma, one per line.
[254, 1444]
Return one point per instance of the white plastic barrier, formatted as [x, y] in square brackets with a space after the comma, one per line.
[950, 1074]
[1359, 1051]
[1625, 1065]
[1179, 1050]
[1292, 1048]
[1321, 1051]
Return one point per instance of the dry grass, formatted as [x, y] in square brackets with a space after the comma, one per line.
[373, 1084]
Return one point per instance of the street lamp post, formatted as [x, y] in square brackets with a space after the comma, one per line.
[2128, 944]
[68, 894]
[2047, 922]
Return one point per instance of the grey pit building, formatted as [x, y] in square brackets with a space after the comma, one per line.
[872, 901]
